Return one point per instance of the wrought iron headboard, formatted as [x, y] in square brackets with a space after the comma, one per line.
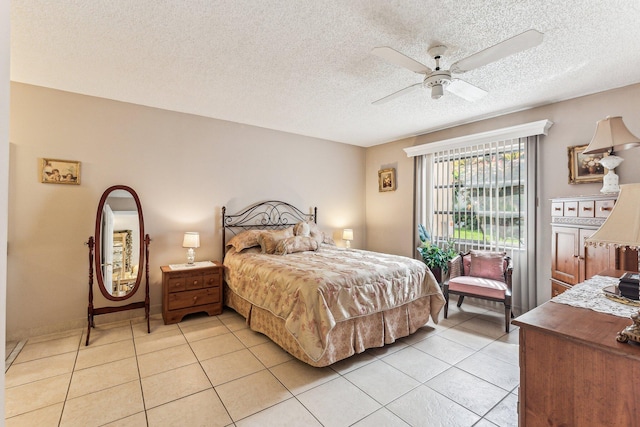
[272, 214]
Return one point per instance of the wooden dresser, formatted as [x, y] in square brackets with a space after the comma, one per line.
[574, 219]
[573, 372]
[191, 290]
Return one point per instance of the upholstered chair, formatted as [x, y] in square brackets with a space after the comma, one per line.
[480, 274]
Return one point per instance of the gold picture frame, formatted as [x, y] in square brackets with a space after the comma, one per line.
[585, 168]
[387, 179]
[57, 171]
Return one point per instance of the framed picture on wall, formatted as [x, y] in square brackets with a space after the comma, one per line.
[584, 168]
[387, 179]
[56, 171]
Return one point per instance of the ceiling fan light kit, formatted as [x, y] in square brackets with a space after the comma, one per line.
[438, 80]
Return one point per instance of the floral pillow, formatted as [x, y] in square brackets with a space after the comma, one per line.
[315, 233]
[302, 229]
[268, 240]
[244, 240]
[489, 265]
[328, 240]
[296, 244]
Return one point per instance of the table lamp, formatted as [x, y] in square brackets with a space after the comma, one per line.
[191, 240]
[621, 229]
[611, 135]
[347, 236]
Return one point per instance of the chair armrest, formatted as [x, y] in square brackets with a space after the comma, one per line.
[455, 266]
[508, 272]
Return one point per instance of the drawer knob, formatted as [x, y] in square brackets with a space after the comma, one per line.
[195, 282]
[586, 208]
[571, 209]
[557, 209]
[195, 299]
[605, 209]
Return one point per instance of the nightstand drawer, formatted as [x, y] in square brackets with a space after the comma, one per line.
[210, 280]
[195, 282]
[186, 299]
[175, 284]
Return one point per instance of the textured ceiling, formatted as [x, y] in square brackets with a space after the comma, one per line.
[304, 66]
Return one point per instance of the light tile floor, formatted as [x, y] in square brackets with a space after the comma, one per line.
[213, 371]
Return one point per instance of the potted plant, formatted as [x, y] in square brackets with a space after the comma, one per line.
[435, 257]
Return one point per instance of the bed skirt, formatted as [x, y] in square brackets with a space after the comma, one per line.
[347, 337]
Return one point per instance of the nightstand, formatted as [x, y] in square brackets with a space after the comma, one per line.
[187, 290]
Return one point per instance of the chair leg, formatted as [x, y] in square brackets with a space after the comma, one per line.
[445, 292]
[507, 317]
[460, 299]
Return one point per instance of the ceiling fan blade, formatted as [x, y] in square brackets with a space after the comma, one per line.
[515, 44]
[397, 94]
[465, 90]
[396, 58]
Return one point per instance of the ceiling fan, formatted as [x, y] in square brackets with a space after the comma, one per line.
[437, 79]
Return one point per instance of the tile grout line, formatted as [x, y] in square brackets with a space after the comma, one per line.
[14, 353]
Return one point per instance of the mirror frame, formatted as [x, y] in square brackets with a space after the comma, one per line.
[98, 244]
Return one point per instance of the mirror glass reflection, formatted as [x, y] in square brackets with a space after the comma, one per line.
[120, 248]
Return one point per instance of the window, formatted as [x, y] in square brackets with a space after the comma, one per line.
[479, 195]
[479, 191]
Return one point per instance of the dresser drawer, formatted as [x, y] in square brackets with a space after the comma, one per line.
[557, 209]
[570, 209]
[603, 208]
[586, 209]
[195, 298]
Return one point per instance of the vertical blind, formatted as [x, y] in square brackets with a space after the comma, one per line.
[479, 196]
[479, 191]
[483, 196]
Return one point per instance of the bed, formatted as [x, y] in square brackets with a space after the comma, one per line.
[319, 302]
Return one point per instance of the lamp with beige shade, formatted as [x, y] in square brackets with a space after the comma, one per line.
[191, 240]
[611, 135]
[621, 229]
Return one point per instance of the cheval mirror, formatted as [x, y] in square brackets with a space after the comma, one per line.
[121, 253]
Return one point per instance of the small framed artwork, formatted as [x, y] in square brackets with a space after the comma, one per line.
[56, 171]
[584, 168]
[387, 179]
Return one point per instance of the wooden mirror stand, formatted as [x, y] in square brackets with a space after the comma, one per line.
[104, 259]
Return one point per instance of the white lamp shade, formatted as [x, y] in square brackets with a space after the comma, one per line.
[347, 234]
[191, 240]
[611, 134]
[622, 226]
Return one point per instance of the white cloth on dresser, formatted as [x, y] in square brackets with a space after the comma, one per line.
[589, 294]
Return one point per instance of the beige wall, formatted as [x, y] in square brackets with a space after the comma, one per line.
[574, 124]
[184, 169]
[390, 213]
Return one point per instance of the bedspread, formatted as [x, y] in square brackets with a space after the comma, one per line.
[313, 291]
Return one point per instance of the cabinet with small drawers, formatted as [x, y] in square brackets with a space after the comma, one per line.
[573, 220]
[191, 290]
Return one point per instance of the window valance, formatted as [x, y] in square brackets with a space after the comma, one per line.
[540, 127]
